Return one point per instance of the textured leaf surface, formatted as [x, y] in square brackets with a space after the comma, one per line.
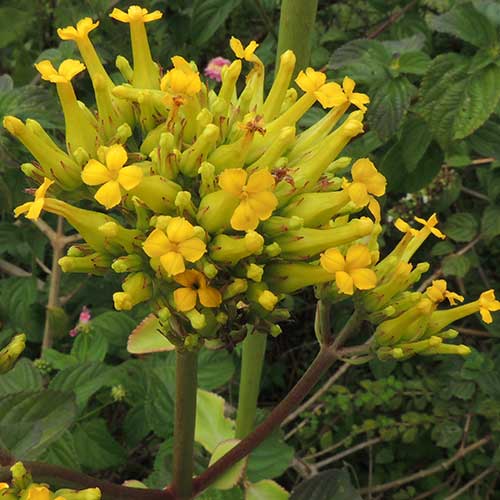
[266, 490]
[332, 484]
[208, 16]
[232, 476]
[147, 338]
[23, 377]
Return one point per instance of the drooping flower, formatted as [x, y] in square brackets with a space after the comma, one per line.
[366, 181]
[437, 292]
[34, 208]
[487, 305]
[178, 244]
[351, 271]
[335, 95]
[214, 68]
[430, 226]
[195, 288]
[113, 176]
[135, 14]
[83, 28]
[257, 199]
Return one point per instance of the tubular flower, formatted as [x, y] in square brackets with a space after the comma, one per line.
[430, 225]
[366, 181]
[68, 69]
[178, 244]
[83, 28]
[352, 270]
[335, 95]
[194, 287]
[487, 305]
[404, 227]
[437, 292]
[257, 200]
[135, 14]
[34, 208]
[241, 52]
[113, 176]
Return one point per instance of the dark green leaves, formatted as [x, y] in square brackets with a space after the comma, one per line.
[461, 227]
[332, 484]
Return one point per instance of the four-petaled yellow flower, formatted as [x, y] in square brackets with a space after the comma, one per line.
[67, 70]
[257, 200]
[366, 181]
[135, 14]
[177, 245]
[241, 52]
[113, 176]
[352, 271]
[38, 493]
[335, 95]
[34, 208]
[182, 80]
[437, 292]
[487, 303]
[430, 225]
[195, 287]
[83, 28]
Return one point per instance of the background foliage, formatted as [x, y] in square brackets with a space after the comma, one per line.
[432, 69]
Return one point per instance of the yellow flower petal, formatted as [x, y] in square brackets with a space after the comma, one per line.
[116, 157]
[364, 279]
[157, 244]
[332, 260]
[237, 47]
[21, 209]
[119, 15]
[130, 177]
[358, 194]
[358, 256]
[38, 493]
[42, 190]
[83, 28]
[348, 85]
[173, 263]
[46, 69]
[109, 194]
[188, 278]
[263, 204]
[330, 94]
[485, 315]
[359, 100]
[70, 68]
[310, 81]
[344, 282]
[192, 249]
[374, 208]
[95, 173]
[4, 486]
[259, 181]
[244, 217]
[232, 180]
[209, 296]
[364, 171]
[185, 299]
[179, 229]
[35, 209]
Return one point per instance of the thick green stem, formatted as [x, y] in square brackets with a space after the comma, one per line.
[254, 349]
[296, 28]
[185, 415]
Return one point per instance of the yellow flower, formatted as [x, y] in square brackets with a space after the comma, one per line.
[487, 303]
[437, 292]
[83, 28]
[241, 52]
[352, 271]
[113, 175]
[135, 14]
[404, 227]
[177, 244]
[367, 180]
[332, 94]
[67, 70]
[34, 208]
[257, 200]
[38, 493]
[195, 287]
[182, 79]
[310, 81]
[430, 225]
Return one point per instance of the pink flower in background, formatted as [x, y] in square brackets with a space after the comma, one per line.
[83, 320]
[214, 67]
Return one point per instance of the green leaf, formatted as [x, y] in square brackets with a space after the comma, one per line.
[485, 139]
[465, 22]
[84, 380]
[447, 434]
[23, 377]
[14, 24]
[208, 16]
[213, 494]
[58, 360]
[270, 459]
[96, 447]
[389, 106]
[461, 226]
[405, 45]
[331, 484]
[462, 389]
[90, 346]
[232, 476]
[63, 452]
[159, 406]
[265, 490]
[414, 63]
[414, 141]
[359, 49]
[147, 338]
[31, 420]
[115, 326]
[490, 9]
[456, 265]
[162, 467]
[210, 378]
[442, 248]
[17, 295]
[490, 223]
[384, 456]
[212, 427]
[135, 425]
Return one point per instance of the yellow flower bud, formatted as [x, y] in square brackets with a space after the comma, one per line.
[288, 278]
[95, 263]
[137, 288]
[11, 352]
[231, 249]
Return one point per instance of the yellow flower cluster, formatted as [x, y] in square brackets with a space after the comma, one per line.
[228, 202]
